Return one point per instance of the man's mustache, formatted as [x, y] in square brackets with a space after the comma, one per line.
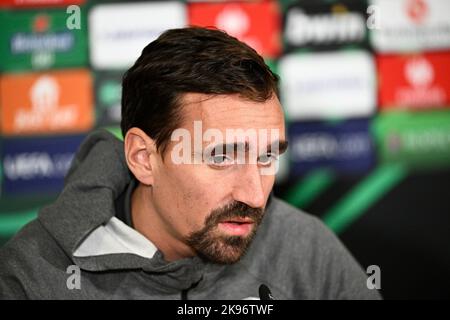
[235, 209]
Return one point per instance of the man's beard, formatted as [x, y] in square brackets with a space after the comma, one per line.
[214, 246]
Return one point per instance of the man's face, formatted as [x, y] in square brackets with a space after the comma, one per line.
[214, 205]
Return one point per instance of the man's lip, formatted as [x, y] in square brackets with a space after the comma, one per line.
[238, 220]
[242, 228]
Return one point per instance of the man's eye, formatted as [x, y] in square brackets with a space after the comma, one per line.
[220, 160]
[267, 159]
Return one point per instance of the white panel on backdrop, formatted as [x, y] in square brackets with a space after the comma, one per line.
[119, 32]
[326, 85]
[411, 25]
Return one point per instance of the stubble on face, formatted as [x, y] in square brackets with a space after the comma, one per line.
[217, 247]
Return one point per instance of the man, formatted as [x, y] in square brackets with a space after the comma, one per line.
[182, 209]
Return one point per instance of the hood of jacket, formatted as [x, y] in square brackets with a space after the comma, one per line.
[82, 220]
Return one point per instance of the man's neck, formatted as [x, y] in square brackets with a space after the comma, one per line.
[148, 222]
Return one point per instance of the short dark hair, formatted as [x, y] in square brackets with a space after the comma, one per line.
[185, 60]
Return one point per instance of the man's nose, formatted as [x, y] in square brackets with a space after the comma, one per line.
[249, 188]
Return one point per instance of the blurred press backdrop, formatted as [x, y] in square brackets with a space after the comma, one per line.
[365, 88]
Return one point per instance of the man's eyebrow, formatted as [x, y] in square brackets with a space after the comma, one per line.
[229, 147]
[281, 146]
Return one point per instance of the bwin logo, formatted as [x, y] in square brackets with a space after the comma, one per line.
[323, 28]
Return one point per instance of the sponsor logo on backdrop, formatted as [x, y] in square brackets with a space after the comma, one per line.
[321, 145]
[40, 39]
[414, 81]
[28, 166]
[418, 141]
[417, 10]
[426, 141]
[411, 25]
[257, 24]
[117, 45]
[420, 75]
[320, 25]
[234, 20]
[37, 165]
[345, 146]
[414, 138]
[44, 96]
[41, 43]
[46, 103]
[323, 85]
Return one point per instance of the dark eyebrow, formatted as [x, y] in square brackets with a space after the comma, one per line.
[282, 146]
[223, 148]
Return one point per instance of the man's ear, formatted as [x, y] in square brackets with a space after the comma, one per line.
[139, 148]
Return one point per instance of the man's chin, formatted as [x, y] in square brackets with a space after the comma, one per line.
[222, 244]
[226, 249]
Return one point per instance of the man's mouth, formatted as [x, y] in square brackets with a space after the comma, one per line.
[237, 226]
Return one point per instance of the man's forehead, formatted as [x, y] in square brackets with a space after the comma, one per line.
[231, 112]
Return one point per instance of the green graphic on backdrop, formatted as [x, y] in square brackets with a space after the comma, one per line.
[419, 140]
[310, 187]
[364, 195]
[272, 64]
[116, 131]
[11, 223]
[108, 88]
[110, 92]
[41, 39]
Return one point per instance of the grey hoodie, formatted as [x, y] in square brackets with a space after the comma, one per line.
[293, 253]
